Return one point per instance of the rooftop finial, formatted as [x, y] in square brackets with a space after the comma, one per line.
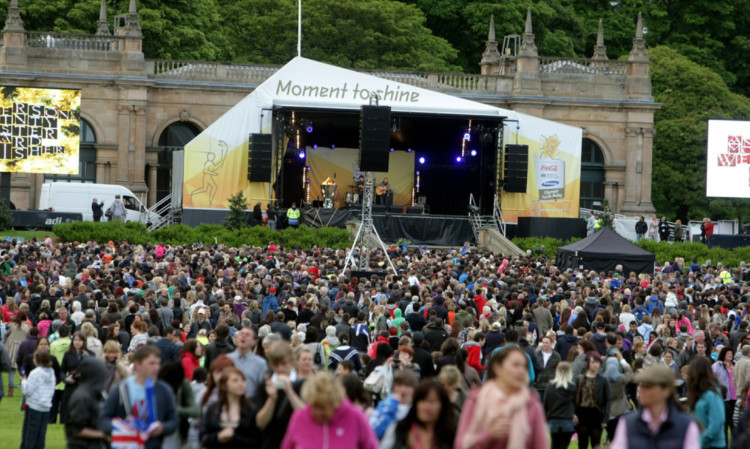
[13, 22]
[600, 51]
[529, 29]
[491, 36]
[639, 51]
[102, 27]
[528, 47]
[639, 27]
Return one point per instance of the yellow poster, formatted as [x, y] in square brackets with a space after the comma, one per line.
[39, 130]
[214, 172]
[553, 183]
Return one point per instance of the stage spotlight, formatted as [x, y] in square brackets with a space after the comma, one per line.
[302, 154]
[458, 158]
[422, 160]
[309, 129]
[473, 152]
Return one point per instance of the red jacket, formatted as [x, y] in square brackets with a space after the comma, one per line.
[475, 356]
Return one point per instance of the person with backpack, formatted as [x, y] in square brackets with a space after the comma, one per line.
[116, 210]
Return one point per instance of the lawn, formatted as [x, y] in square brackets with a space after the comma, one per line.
[27, 235]
[11, 423]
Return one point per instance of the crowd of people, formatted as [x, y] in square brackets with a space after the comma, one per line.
[219, 347]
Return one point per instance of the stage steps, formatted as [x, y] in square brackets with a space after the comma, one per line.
[491, 239]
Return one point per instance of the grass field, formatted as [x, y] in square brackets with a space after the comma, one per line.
[28, 235]
[11, 423]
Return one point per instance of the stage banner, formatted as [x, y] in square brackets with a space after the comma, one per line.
[553, 183]
[39, 130]
[342, 162]
[216, 160]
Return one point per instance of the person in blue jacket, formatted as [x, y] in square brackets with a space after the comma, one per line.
[704, 400]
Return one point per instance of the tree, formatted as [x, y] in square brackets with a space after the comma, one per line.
[235, 219]
[690, 95]
[376, 34]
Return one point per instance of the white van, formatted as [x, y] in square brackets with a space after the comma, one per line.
[77, 197]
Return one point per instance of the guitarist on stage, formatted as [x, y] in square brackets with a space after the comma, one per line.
[384, 193]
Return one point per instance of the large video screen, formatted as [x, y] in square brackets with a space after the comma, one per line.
[39, 130]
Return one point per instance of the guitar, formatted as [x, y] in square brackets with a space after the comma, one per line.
[381, 190]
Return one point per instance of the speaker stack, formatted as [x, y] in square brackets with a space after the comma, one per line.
[516, 167]
[374, 138]
[259, 158]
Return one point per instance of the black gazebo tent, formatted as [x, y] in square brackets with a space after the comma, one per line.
[603, 251]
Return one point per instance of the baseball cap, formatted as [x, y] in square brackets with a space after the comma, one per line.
[655, 375]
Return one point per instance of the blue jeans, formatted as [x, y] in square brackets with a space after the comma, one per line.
[34, 429]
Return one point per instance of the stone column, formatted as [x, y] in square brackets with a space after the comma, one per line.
[100, 166]
[647, 167]
[123, 143]
[151, 185]
[139, 143]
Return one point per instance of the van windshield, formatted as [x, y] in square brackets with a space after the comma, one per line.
[130, 202]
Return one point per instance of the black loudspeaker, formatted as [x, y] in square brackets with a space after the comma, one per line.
[374, 138]
[516, 167]
[259, 158]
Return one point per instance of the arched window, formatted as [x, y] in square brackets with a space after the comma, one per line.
[86, 158]
[173, 138]
[592, 175]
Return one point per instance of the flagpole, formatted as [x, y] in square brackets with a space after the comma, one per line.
[299, 29]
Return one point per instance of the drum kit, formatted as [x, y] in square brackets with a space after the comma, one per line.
[352, 198]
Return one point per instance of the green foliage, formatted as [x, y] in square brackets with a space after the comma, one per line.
[546, 246]
[690, 95]
[5, 218]
[237, 207]
[136, 233]
[667, 252]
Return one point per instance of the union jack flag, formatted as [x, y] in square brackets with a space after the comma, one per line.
[125, 435]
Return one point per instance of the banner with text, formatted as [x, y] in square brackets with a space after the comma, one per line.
[553, 183]
[39, 130]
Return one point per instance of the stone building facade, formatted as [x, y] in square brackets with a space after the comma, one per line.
[135, 111]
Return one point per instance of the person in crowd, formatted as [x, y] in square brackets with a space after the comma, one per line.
[641, 428]
[16, 333]
[129, 399]
[115, 370]
[230, 421]
[69, 370]
[38, 390]
[723, 369]
[97, 209]
[705, 401]
[316, 425]
[82, 426]
[190, 356]
[430, 421]
[593, 401]
[504, 412]
[279, 396]
[559, 406]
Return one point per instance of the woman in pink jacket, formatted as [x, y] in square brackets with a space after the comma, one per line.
[504, 413]
[329, 420]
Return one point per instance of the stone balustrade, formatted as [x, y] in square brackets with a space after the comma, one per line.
[64, 41]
